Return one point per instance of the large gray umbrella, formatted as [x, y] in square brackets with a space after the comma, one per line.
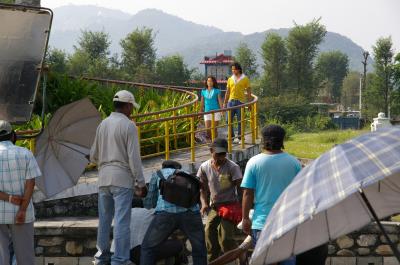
[62, 147]
[343, 190]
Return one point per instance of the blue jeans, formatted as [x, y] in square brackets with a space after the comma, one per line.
[119, 200]
[255, 234]
[237, 113]
[164, 224]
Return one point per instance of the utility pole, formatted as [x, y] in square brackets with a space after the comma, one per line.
[28, 2]
[364, 85]
[360, 96]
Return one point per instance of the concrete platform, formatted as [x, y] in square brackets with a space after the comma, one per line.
[87, 183]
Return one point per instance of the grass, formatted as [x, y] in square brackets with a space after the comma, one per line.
[312, 145]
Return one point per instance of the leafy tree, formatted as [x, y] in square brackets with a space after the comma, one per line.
[143, 74]
[100, 68]
[138, 51]
[7, 1]
[373, 102]
[383, 56]
[274, 55]
[332, 67]
[95, 43]
[395, 94]
[91, 55]
[172, 70]
[247, 59]
[302, 44]
[197, 76]
[350, 96]
[78, 63]
[57, 60]
[396, 71]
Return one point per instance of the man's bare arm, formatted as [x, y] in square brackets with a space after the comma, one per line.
[204, 198]
[28, 191]
[226, 98]
[247, 204]
[249, 97]
[14, 199]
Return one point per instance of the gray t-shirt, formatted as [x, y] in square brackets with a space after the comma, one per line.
[220, 183]
[116, 151]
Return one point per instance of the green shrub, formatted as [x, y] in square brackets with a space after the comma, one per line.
[285, 108]
[289, 128]
[314, 123]
[62, 90]
[294, 113]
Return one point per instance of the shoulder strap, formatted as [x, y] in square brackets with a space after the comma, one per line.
[188, 176]
[160, 174]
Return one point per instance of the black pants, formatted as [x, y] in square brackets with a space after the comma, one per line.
[315, 256]
[164, 224]
[168, 249]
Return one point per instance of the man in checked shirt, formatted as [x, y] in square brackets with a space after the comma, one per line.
[18, 170]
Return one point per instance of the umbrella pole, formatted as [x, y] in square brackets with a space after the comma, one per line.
[372, 211]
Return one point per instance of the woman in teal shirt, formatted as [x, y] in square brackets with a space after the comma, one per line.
[211, 100]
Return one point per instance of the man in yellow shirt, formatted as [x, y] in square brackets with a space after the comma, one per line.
[236, 86]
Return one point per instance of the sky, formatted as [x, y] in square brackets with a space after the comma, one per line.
[364, 21]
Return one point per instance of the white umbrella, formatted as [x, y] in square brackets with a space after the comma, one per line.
[343, 190]
[62, 147]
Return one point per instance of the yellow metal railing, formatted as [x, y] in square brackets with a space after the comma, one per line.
[170, 135]
[164, 137]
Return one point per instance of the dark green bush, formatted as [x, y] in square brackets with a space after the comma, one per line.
[286, 108]
[294, 113]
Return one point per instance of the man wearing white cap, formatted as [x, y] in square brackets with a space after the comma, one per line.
[18, 170]
[116, 151]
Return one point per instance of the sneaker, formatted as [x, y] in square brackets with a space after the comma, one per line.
[236, 140]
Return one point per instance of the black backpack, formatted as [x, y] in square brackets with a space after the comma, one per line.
[181, 188]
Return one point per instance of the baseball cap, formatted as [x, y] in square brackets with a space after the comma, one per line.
[125, 96]
[5, 127]
[220, 145]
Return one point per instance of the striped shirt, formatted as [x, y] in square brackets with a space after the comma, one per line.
[17, 164]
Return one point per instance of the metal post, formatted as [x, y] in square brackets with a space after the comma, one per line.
[158, 133]
[166, 140]
[256, 119]
[174, 130]
[229, 131]
[242, 127]
[253, 125]
[192, 142]
[32, 145]
[212, 126]
[372, 211]
[187, 136]
[360, 107]
[196, 105]
[365, 62]
[389, 104]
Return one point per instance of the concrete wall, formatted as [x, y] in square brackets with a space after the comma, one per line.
[73, 241]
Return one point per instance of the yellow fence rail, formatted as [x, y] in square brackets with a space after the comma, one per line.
[164, 136]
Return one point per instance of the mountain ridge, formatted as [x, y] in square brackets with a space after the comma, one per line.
[173, 34]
